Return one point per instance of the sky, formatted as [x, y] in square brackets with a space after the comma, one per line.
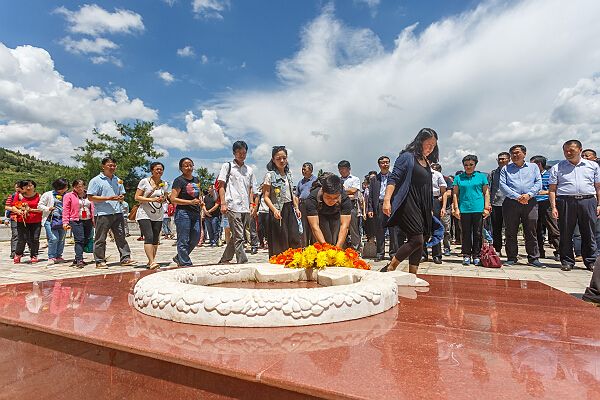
[331, 80]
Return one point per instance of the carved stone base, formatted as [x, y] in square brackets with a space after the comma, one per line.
[183, 295]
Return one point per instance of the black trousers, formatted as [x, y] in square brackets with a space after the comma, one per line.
[592, 292]
[263, 227]
[514, 214]
[283, 233]
[471, 225]
[546, 220]
[14, 238]
[572, 211]
[497, 224]
[380, 219]
[28, 234]
[82, 232]
[330, 227]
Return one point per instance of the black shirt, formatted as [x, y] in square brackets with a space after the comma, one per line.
[190, 190]
[315, 206]
[209, 202]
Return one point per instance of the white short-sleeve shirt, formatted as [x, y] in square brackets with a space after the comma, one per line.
[153, 210]
[241, 183]
[437, 182]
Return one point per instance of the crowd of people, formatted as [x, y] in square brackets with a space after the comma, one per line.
[403, 205]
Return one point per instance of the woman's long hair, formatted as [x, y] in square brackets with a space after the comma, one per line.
[271, 165]
[416, 146]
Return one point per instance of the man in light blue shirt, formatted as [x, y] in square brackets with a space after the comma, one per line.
[574, 186]
[106, 190]
[303, 191]
[520, 182]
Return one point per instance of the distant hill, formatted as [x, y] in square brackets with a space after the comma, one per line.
[15, 165]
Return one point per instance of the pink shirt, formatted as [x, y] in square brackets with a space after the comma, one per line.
[72, 207]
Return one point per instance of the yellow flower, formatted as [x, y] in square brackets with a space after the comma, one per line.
[120, 181]
[58, 197]
[162, 184]
[340, 259]
[277, 190]
[321, 260]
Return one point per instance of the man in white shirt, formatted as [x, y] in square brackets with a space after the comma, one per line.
[237, 186]
[351, 186]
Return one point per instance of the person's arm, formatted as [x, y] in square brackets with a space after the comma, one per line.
[455, 209]
[176, 200]
[486, 201]
[313, 221]
[552, 198]
[344, 228]
[537, 184]
[447, 193]
[296, 206]
[504, 188]
[597, 186]
[397, 175]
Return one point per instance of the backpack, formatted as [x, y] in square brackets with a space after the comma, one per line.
[489, 258]
[218, 184]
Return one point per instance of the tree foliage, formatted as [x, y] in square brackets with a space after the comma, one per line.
[206, 178]
[133, 151]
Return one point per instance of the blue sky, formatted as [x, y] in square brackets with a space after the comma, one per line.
[346, 79]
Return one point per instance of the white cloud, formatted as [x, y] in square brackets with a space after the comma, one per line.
[210, 8]
[85, 46]
[167, 77]
[51, 115]
[187, 51]
[495, 73]
[170, 2]
[201, 133]
[204, 59]
[106, 59]
[92, 19]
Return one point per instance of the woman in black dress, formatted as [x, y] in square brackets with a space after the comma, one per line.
[408, 200]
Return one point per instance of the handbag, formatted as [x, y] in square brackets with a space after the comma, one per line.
[133, 212]
[489, 258]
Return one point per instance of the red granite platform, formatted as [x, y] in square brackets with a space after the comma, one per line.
[465, 338]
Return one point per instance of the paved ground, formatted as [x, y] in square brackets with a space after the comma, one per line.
[573, 282]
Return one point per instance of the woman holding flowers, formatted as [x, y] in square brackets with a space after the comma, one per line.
[29, 220]
[150, 194]
[77, 215]
[283, 232]
[51, 204]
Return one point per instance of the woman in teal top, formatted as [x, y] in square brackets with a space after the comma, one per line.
[471, 204]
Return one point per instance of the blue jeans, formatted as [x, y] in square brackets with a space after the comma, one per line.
[56, 240]
[188, 234]
[213, 225]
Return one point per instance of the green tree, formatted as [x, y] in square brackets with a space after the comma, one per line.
[133, 150]
[206, 178]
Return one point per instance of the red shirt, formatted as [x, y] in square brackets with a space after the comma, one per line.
[32, 217]
[9, 203]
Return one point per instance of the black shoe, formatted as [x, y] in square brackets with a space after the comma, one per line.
[590, 267]
[566, 267]
[385, 269]
[509, 263]
[254, 250]
[556, 257]
[437, 260]
[176, 260]
[378, 258]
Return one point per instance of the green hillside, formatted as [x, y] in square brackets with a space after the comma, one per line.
[15, 166]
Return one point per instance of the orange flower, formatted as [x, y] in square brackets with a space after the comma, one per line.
[318, 246]
[280, 259]
[352, 254]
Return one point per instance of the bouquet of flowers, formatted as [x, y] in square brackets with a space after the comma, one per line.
[320, 256]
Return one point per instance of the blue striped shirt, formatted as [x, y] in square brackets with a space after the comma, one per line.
[545, 180]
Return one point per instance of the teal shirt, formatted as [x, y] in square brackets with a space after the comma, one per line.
[470, 192]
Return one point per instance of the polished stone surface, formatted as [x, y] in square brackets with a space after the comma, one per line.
[460, 338]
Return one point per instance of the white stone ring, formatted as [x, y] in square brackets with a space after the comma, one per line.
[184, 295]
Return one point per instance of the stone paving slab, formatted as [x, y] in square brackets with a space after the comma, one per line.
[573, 282]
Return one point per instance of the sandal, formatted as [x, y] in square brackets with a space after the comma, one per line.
[154, 265]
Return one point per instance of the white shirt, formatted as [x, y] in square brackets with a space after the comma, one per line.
[154, 210]
[351, 182]
[437, 182]
[241, 183]
[46, 201]
[574, 180]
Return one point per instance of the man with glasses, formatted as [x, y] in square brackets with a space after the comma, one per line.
[303, 191]
[520, 182]
[377, 186]
[352, 187]
[497, 198]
